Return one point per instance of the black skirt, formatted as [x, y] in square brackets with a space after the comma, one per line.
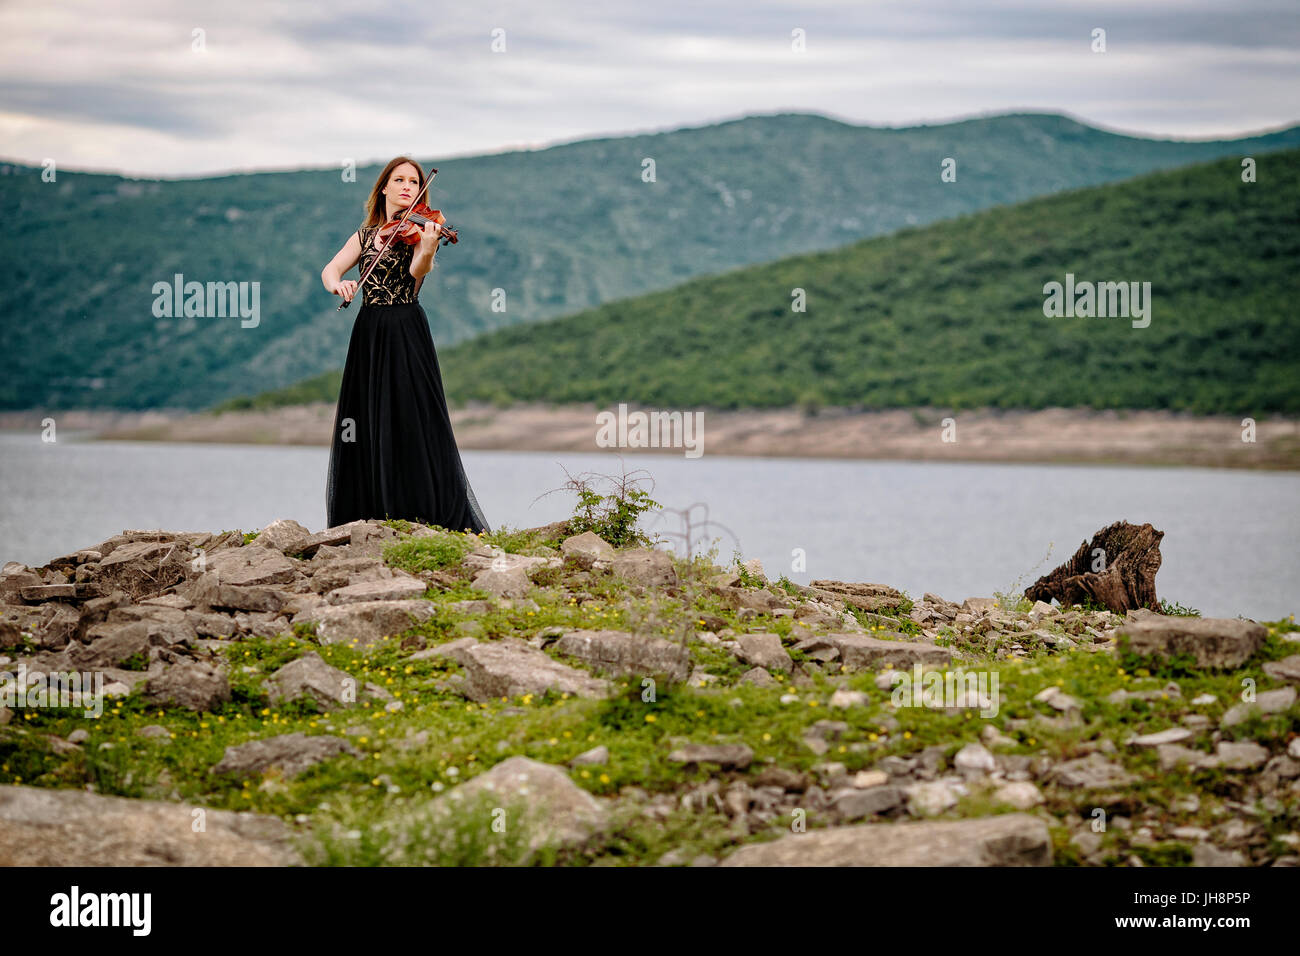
[393, 454]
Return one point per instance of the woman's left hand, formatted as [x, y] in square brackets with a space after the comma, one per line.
[430, 233]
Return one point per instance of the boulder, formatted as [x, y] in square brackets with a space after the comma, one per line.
[726, 756]
[1091, 772]
[403, 587]
[557, 811]
[57, 828]
[763, 650]
[1213, 642]
[1013, 839]
[860, 652]
[512, 668]
[291, 754]
[310, 676]
[621, 653]
[865, 597]
[647, 567]
[366, 622]
[587, 548]
[195, 686]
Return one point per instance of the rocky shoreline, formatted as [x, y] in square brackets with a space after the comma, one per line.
[1048, 435]
[382, 692]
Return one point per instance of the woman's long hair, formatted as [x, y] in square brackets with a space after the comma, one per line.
[376, 205]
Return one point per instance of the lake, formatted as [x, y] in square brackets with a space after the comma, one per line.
[956, 529]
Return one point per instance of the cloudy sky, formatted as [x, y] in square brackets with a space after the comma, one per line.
[178, 88]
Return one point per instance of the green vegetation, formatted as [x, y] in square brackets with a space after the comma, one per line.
[951, 316]
[559, 229]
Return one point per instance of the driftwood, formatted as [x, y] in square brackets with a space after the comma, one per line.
[1117, 569]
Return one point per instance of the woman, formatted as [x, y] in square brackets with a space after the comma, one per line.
[393, 454]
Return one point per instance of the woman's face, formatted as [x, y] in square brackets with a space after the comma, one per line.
[403, 184]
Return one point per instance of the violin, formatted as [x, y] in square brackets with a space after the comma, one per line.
[419, 215]
[404, 229]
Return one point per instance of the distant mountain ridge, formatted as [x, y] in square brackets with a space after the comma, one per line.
[555, 230]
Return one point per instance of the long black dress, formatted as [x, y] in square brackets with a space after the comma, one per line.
[393, 453]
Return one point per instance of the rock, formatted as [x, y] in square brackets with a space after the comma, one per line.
[1021, 795]
[1207, 854]
[726, 756]
[1267, 702]
[849, 698]
[403, 587]
[250, 567]
[648, 567]
[974, 757]
[595, 757]
[1091, 772]
[994, 738]
[208, 591]
[931, 797]
[1171, 736]
[367, 622]
[587, 548]
[865, 597]
[621, 653]
[330, 575]
[369, 539]
[291, 754]
[859, 652]
[280, 534]
[1175, 755]
[782, 778]
[1244, 755]
[1287, 669]
[1040, 610]
[759, 678]
[310, 676]
[509, 583]
[856, 804]
[1058, 699]
[59, 828]
[193, 685]
[764, 650]
[143, 568]
[1013, 839]
[866, 779]
[117, 644]
[329, 538]
[1213, 642]
[561, 812]
[511, 668]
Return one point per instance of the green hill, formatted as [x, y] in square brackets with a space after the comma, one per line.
[953, 314]
[559, 229]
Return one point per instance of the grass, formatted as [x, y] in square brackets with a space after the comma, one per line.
[368, 810]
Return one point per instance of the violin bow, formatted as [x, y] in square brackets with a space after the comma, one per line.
[391, 239]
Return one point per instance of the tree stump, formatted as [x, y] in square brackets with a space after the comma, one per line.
[1117, 568]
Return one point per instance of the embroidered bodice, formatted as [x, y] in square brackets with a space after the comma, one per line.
[391, 283]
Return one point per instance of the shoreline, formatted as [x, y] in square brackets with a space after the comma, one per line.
[1054, 435]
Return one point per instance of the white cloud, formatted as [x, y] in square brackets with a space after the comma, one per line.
[118, 86]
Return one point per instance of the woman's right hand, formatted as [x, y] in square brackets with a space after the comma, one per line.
[346, 288]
